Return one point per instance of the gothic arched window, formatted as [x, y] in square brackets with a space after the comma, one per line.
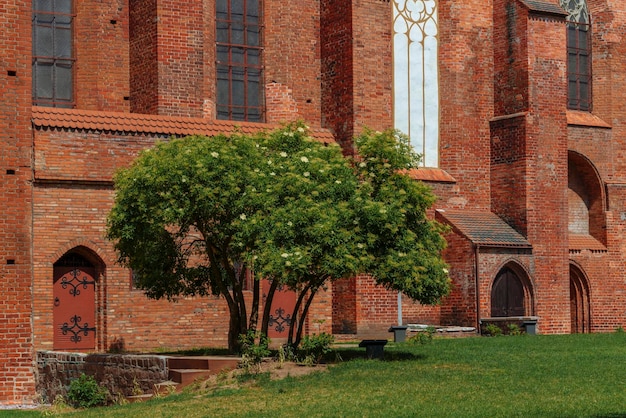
[578, 54]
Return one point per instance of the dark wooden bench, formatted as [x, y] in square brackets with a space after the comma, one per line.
[374, 349]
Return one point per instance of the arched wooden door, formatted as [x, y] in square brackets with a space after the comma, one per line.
[507, 295]
[579, 302]
[74, 311]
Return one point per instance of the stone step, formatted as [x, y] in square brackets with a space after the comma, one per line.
[185, 377]
[203, 362]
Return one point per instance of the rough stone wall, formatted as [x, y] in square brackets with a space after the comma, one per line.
[122, 375]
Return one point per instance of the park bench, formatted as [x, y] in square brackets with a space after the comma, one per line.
[374, 349]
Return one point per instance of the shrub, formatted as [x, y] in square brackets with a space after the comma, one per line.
[423, 337]
[252, 354]
[514, 329]
[85, 392]
[315, 347]
[493, 330]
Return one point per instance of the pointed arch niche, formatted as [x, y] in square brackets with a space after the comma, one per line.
[586, 203]
[579, 301]
[511, 293]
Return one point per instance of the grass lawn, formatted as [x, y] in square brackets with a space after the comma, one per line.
[523, 376]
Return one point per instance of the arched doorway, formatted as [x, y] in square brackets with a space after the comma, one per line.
[579, 301]
[74, 306]
[508, 295]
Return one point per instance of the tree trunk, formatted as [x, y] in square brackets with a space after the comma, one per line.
[267, 309]
[254, 312]
[294, 315]
[305, 312]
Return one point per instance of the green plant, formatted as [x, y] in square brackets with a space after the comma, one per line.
[423, 337]
[315, 347]
[85, 392]
[253, 352]
[493, 330]
[514, 329]
[619, 330]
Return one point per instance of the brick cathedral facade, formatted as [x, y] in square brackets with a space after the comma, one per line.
[525, 151]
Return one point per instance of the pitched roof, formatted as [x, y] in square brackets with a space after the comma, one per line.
[584, 242]
[55, 117]
[431, 174]
[483, 228]
[544, 6]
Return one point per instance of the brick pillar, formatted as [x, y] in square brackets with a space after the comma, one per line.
[167, 64]
[17, 383]
[529, 146]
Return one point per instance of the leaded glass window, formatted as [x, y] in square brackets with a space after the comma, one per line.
[578, 54]
[239, 65]
[53, 57]
[416, 75]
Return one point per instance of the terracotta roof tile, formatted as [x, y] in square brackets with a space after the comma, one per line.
[150, 124]
[483, 228]
[577, 117]
[431, 174]
[544, 6]
[584, 242]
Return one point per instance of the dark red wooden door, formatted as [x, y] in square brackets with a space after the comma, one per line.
[282, 308]
[74, 314]
[507, 295]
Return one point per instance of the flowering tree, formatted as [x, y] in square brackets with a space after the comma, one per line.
[192, 215]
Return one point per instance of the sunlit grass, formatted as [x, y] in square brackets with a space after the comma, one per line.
[525, 376]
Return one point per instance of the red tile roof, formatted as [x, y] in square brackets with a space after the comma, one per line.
[585, 242]
[431, 174]
[150, 124]
[577, 117]
[483, 228]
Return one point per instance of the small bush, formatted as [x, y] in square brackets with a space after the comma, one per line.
[252, 354]
[514, 329]
[423, 337]
[315, 347]
[85, 392]
[493, 330]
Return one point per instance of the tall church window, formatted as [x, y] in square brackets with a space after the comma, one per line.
[415, 75]
[239, 65]
[52, 55]
[578, 54]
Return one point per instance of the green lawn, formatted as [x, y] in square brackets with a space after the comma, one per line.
[524, 376]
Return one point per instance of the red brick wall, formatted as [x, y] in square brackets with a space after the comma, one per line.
[337, 103]
[144, 75]
[466, 90]
[547, 157]
[101, 48]
[292, 61]
[17, 383]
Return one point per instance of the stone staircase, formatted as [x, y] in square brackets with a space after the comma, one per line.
[185, 370]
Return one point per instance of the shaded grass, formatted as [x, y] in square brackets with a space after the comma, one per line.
[526, 376]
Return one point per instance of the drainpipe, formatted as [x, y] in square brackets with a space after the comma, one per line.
[476, 275]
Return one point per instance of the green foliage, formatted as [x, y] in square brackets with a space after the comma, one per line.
[423, 337]
[85, 392]
[254, 348]
[403, 245]
[315, 347]
[492, 330]
[192, 214]
[514, 329]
